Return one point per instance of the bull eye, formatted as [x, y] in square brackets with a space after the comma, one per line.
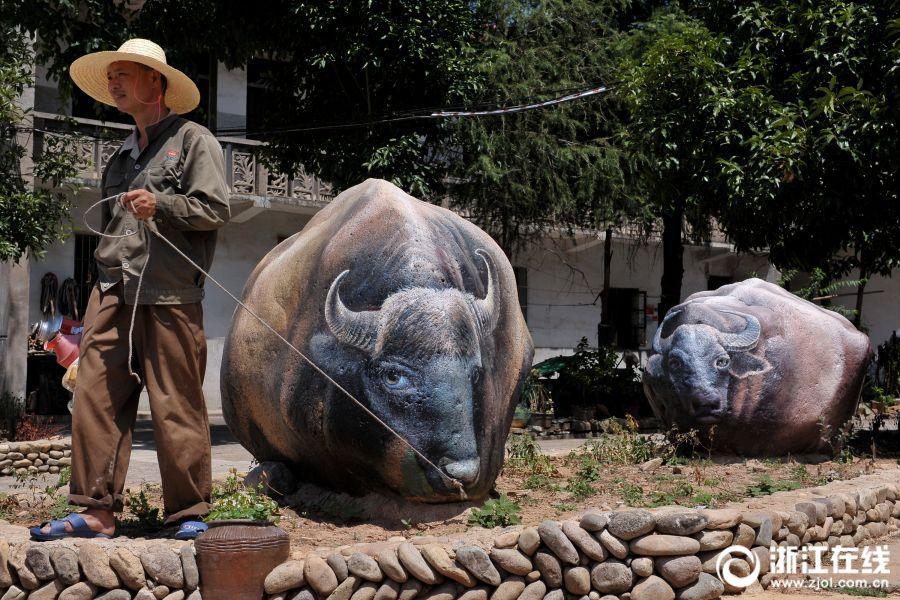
[674, 363]
[722, 362]
[394, 378]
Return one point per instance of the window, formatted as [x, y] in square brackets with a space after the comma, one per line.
[521, 274]
[85, 268]
[628, 316]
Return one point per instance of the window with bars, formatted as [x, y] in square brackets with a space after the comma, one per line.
[85, 267]
[628, 316]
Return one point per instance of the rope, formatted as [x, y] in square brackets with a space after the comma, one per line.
[455, 483]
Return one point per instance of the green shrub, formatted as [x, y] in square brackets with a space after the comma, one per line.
[233, 500]
[496, 512]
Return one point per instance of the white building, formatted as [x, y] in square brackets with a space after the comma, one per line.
[560, 278]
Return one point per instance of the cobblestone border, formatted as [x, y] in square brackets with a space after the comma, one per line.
[630, 554]
[40, 456]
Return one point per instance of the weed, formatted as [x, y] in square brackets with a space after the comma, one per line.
[233, 500]
[632, 494]
[496, 512]
[861, 591]
[524, 454]
[765, 485]
[660, 498]
[536, 481]
[562, 507]
[145, 517]
[36, 427]
[580, 489]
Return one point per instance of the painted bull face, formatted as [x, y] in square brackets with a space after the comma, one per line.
[701, 363]
[423, 367]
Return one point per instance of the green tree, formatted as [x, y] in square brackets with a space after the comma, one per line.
[31, 216]
[518, 175]
[331, 63]
[673, 78]
[816, 106]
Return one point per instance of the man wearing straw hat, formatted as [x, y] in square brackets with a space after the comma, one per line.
[144, 321]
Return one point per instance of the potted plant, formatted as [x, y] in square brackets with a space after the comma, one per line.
[243, 543]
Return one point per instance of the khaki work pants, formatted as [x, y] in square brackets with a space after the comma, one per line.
[170, 357]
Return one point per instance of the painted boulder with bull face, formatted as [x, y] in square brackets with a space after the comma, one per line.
[755, 368]
[414, 312]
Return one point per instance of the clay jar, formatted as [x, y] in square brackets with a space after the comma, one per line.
[234, 557]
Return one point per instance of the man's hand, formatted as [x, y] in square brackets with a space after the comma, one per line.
[141, 202]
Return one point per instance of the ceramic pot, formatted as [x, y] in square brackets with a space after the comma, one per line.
[234, 557]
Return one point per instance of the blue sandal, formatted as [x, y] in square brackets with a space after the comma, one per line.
[189, 530]
[58, 530]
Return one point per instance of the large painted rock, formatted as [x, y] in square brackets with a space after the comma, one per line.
[410, 308]
[757, 369]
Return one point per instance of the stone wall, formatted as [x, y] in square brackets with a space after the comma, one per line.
[630, 554]
[41, 456]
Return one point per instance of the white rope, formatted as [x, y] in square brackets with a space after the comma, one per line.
[453, 481]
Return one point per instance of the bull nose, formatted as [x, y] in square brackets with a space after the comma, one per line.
[466, 471]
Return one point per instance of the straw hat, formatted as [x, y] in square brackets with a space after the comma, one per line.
[89, 74]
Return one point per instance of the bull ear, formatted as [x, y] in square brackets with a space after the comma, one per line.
[744, 364]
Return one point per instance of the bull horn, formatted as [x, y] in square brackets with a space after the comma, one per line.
[357, 329]
[743, 340]
[486, 309]
[660, 344]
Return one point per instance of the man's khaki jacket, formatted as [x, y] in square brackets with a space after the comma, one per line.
[184, 167]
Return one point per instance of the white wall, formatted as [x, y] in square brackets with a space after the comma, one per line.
[881, 306]
[565, 278]
[231, 98]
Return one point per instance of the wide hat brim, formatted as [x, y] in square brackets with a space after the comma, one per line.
[89, 74]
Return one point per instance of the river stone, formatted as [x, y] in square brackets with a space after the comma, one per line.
[144, 594]
[556, 595]
[438, 558]
[529, 540]
[479, 564]
[364, 566]
[189, 568]
[577, 581]
[476, 593]
[616, 547]
[764, 535]
[389, 590]
[715, 539]
[320, 577]
[162, 565]
[27, 579]
[128, 567]
[866, 498]
[612, 577]
[681, 523]
[708, 587]
[14, 593]
[744, 536]
[814, 511]
[510, 589]
[176, 595]
[512, 561]
[584, 541]
[535, 590]
[5, 576]
[549, 567]
[506, 540]
[642, 566]
[65, 563]
[629, 524]
[532, 577]
[554, 538]
[367, 591]
[79, 591]
[652, 588]
[95, 564]
[593, 521]
[338, 564]
[286, 576]
[664, 545]
[756, 518]
[390, 565]
[160, 591]
[680, 571]
[412, 560]
[797, 522]
[119, 594]
[410, 589]
[48, 592]
[344, 591]
[445, 591]
[37, 557]
[721, 518]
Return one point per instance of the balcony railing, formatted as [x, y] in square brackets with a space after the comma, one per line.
[94, 142]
